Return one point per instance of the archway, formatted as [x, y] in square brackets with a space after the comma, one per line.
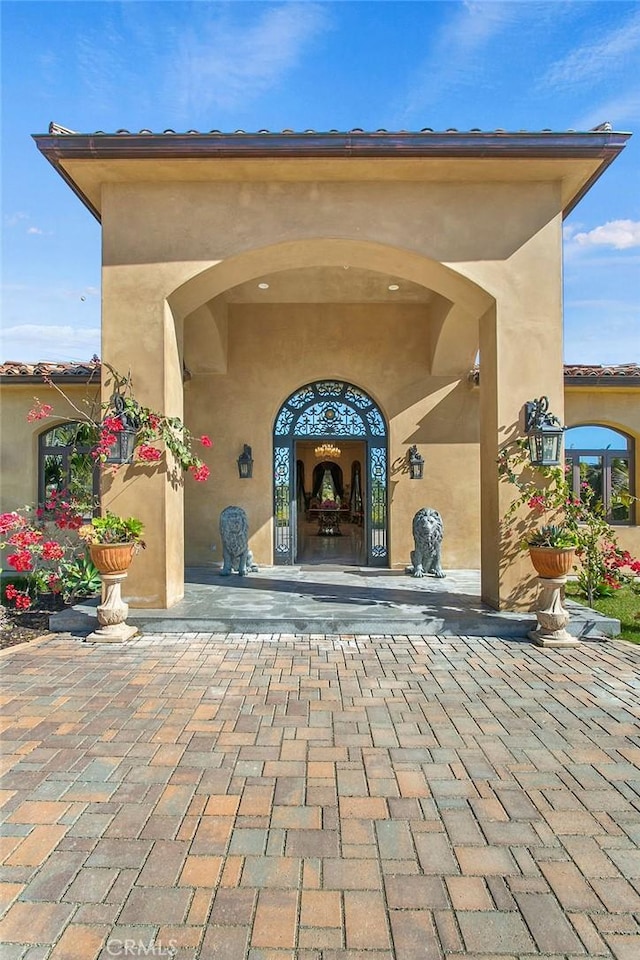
[323, 411]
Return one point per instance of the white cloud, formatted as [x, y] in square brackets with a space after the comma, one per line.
[619, 234]
[228, 64]
[35, 230]
[588, 63]
[31, 342]
[458, 52]
[619, 111]
[13, 219]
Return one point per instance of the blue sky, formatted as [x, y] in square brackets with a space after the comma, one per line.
[241, 65]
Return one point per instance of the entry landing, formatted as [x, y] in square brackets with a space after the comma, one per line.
[334, 600]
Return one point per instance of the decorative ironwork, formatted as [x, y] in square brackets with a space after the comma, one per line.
[331, 410]
[301, 397]
[378, 502]
[338, 420]
[360, 399]
[282, 477]
[283, 423]
[376, 423]
[330, 388]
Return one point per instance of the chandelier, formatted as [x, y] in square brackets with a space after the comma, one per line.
[327, 451]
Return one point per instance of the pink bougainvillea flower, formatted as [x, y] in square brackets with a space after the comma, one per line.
[39, 412]
[205, 440]
[112, 424]
[21, 561]
[200, 473]
[25, 538]
[11, 521]
[51, 550]
[148, 453]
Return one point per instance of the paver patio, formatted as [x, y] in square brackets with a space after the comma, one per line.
[280, 797]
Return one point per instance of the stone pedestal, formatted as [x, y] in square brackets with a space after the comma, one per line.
[552, 616]
[112, 613]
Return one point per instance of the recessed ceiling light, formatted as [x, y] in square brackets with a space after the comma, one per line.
[263, 286]
[393, 286]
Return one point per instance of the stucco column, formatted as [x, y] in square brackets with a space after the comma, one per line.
[139, 335]
[520, 360]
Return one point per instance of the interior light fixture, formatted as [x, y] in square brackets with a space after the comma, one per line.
[263, 286]
[328, 451]
[393, 286]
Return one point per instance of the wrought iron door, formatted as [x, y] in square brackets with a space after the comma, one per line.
[330, 410]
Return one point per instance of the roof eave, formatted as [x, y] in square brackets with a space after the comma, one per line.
[58, 147]
[606, 381]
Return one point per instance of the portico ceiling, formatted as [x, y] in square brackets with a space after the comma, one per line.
[345, 284]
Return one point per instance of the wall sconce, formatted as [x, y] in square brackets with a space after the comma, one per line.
[122, 450]
[245, 463]
[544, 433]
[416, 463]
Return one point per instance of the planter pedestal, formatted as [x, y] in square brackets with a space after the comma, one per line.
[112, 612]
[552, 616]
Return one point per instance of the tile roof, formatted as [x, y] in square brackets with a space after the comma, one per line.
[589, 371]
[56, 130]
[594, 374]
[16, 370]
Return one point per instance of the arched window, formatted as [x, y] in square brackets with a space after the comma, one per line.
[65, 463]
[602, 458]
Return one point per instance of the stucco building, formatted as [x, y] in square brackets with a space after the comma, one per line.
[281, 290]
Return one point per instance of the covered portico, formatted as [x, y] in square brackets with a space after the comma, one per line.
[237, 268]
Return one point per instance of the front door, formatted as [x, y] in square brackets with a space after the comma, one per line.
[321, 412]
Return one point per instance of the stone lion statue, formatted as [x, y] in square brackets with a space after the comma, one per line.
[234, 530]
[427, 536]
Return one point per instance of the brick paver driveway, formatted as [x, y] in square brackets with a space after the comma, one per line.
[274, 798]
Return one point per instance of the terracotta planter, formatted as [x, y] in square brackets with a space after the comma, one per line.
[112, 557]
[550, 562]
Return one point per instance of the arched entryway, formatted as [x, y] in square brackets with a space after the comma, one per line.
[331, 410]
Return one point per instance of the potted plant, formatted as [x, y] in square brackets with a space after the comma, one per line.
[112, 541]
[552, 549]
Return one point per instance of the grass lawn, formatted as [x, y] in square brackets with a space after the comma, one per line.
[624, 605]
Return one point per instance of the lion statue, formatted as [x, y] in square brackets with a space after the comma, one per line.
[427, 536]
[234, 531]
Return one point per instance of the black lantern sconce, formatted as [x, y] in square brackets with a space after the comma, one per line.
[245, 463]
[544, 433]
[122, 450]
[416, 463]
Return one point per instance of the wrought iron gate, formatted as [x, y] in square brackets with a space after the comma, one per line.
[330, 410]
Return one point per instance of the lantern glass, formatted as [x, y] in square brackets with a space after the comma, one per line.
[416, 464]
[544, 447]
[544, 433]
[245, 463]
[122, 449]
